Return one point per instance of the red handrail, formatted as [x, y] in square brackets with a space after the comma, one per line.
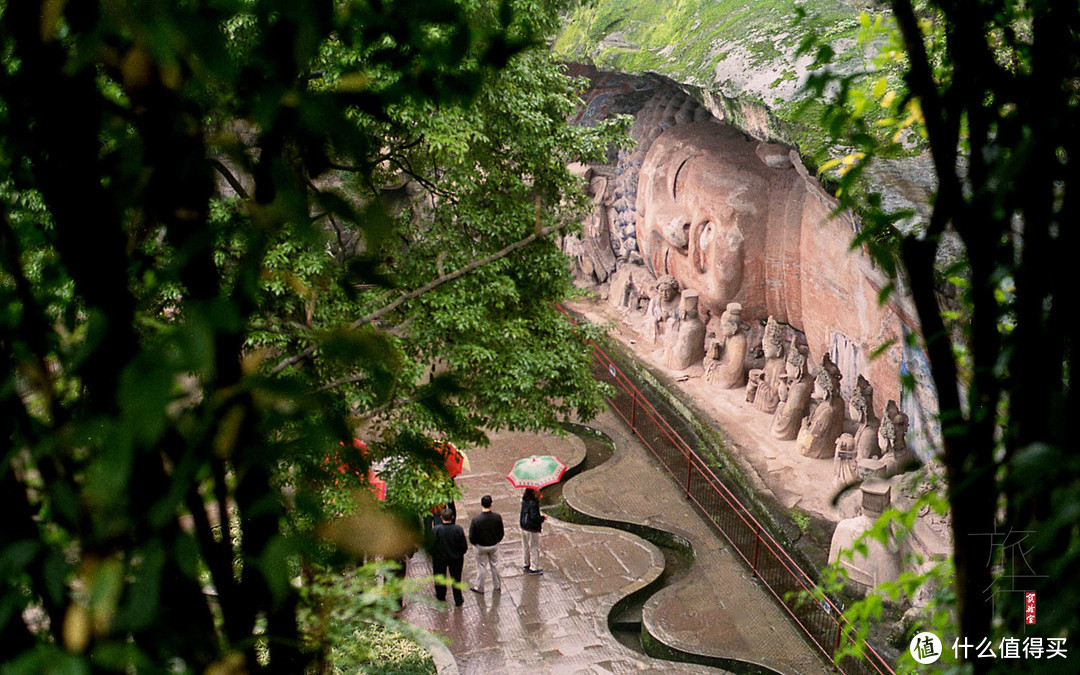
[762, 538]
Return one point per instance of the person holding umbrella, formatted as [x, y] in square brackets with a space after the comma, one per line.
[534, 473]
[532, 522]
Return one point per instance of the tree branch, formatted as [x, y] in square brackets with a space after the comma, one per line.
[431, 285]
[941, 129]
[351, 379]
[232, 180]
[376, 160]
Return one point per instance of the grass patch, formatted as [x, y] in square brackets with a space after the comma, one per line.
[375, 650]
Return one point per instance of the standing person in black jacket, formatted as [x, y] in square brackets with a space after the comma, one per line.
[531, 523]
[485, 533]
[448, 554]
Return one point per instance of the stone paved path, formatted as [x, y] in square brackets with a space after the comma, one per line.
[557, 622]
[718, 609]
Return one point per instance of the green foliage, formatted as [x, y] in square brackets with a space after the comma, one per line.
[382, 652]
[801, 520]
[350, 618]
[206, 288]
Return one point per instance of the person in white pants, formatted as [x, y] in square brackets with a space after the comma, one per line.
[485, 533]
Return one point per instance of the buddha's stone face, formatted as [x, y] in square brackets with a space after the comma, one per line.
[702, 210]
[793, 372]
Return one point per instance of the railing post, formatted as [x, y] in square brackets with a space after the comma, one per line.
[689, 466]
[633, 412]
[836, 647]
[757, 541]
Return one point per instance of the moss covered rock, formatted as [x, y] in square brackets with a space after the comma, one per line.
[739, 59]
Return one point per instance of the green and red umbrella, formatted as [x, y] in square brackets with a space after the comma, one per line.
[536, 472]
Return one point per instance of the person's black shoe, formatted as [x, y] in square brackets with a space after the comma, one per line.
[539, 570]
[474, 589]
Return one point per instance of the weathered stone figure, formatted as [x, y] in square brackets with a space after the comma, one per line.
[632, 287]
[592, 248]
[866, 438]
[795, 389]
[894, 426]
[763, 386]
[881, 562]
[686, 346]
[663, 310]
[726, 355]
[818, 434]
[845, 466]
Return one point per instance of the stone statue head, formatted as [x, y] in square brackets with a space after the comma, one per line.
[795, 366]
[894, 425]
[772, 342]
[828, 376]
[690, 302]
[876, 497]
[862, 399]
[667, 287]
[702, 208]
[731, 319]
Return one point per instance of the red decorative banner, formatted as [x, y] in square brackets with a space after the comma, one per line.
[1029, 609]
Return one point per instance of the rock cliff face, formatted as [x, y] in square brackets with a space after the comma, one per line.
[739, 220]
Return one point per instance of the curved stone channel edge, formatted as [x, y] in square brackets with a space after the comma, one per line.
[653, 583]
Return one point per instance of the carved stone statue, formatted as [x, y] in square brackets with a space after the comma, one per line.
[866, 438]
[592, 249]
[894, 426]
[702, 204]
[741, 222]
[881, 562]
[632, 287]
[818, 433]
[686, 345]
[763, 386]
[796, 387]
[663, 310]
[845, 467]
[725, 365]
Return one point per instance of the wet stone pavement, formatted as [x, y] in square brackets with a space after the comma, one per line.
[557, 622]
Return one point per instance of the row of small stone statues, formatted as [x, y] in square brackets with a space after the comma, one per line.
[784, 387]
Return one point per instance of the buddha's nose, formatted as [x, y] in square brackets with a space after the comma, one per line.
[677, 231]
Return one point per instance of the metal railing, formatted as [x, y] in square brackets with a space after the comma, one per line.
[821, 620]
